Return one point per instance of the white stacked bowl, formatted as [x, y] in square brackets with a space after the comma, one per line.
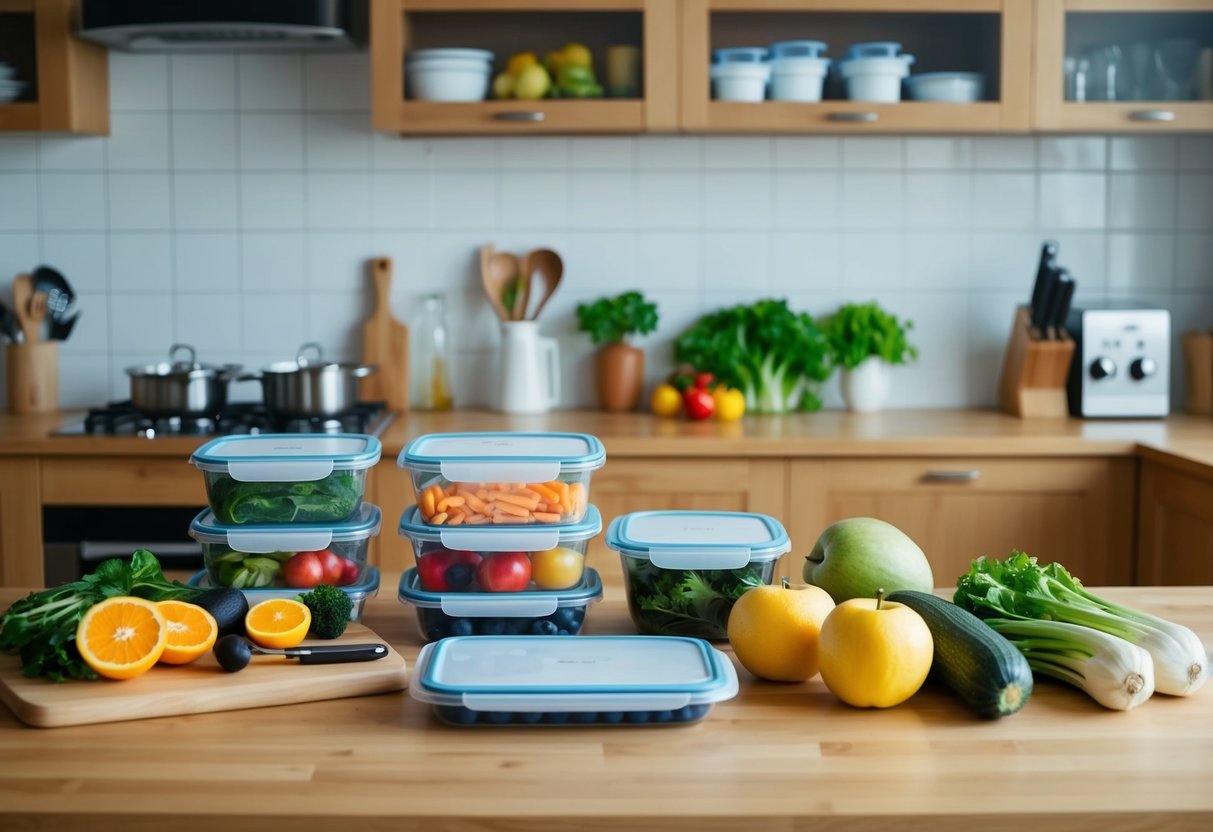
[449, 74]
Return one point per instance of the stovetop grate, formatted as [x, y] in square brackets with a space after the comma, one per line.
[121, 418]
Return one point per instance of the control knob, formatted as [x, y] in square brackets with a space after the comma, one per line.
[1103, 367]
[1142, 368]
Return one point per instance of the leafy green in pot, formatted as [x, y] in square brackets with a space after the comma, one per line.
[42, 625]
[329, 500]
[687, 602]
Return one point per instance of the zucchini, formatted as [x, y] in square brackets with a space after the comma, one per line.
[982, 667]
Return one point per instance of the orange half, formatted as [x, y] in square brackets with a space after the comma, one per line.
[122, 637]
[191, 631]
[278, 623]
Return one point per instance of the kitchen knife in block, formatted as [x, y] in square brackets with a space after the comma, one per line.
[385, 343]
[1034, 372]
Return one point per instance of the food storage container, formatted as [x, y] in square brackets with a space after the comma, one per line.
[739, 55]
[740, 81]
[798, 70]
[510, 479]
[449, 74]
[536, 613]
[366, 587]
[595, 680]
[873, 71]
[685, 569]
[956, 87]
[254, 556]
[492, 558]
[286, 477]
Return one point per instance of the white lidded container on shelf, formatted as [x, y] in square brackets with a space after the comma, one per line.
[724, 553]
[594, 680]
[366, 587]
[954, 87]
[798, 70]
[874, 71]
[740, 73]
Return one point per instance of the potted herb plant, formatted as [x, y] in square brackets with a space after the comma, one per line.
[865, 341]
[619, 366]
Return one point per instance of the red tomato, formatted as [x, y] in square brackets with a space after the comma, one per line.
[704, 380]
[433, 565]
[303, 569]
[505, 572]
[698, 403]
[332, 565]
[349, 571]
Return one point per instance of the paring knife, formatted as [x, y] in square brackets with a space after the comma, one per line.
[327, 653]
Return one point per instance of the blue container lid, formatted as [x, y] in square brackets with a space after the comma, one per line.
[287, 457]
[527, 604]
[739, 55]
[367, 587]
[557, 673]
[534, 538]
[698, 539]
[503, 456]
[798, 49]
[874, 49]
[288, 537]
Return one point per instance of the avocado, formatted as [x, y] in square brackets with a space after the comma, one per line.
[228, 606]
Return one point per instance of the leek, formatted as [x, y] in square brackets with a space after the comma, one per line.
[1019, 588]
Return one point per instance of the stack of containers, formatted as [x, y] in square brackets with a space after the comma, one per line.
[500, 532]
[798, 70]
[286, 514]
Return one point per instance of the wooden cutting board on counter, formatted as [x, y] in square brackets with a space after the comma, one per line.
[385, 343]
[198, 688]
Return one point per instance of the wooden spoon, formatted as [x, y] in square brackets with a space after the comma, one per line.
[547, 263]
[23, 296]
[502, 272]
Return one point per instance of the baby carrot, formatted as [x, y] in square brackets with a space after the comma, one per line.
[510, 508]
[502, 519]
[475, 503]
[438, 519]
[544, 492]
[523, 502]
[450, 502]
[546, 517]
[455, 520]
[427, 504]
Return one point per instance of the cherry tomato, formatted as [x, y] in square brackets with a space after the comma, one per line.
[433, 565]
[704, 380]
[331, 564]
[698, 403]
[349, 571]
[505, 572]
[303, 569]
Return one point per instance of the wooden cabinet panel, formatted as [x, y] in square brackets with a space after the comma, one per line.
[20, 522]
[1175, 544]
[1077, 511]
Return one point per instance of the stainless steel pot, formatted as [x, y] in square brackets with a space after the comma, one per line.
[309, 386]
[180, 388]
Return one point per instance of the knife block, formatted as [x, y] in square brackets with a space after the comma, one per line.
[1034, 372]
[33, 377]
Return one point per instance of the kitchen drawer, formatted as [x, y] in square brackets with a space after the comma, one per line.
[1077, 511]
[1175, 546]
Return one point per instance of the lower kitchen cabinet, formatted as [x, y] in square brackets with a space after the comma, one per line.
[1075, 510]
[1175, 544]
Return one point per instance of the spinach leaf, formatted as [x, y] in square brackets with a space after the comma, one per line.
[692, 602]
[330, 500]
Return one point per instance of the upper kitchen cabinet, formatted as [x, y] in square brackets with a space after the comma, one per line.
[639, 84]
[968, 64]
[50, 80]
[1119, 65]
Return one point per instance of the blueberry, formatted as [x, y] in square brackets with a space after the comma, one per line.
[498, 717]
[637, 716]
[461, 627]
[565, 617]
[456, 714]
[684, 714]
[663, 716]
[529, 717]
[435, 633]
[562, 632]
[556, 718]
[490, 627]
[611, 717]
[459, 575]
[699, 711]
[516, 626]
[543, 627]
[585, 717]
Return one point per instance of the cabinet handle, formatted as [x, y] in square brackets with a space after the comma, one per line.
[850, 116]
[952, 476]
[519, 115]
[1152, 115]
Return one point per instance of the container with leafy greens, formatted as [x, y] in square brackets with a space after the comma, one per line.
[286, 478]
[686, 569]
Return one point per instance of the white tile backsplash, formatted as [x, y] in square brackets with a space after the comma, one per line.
[238, 199]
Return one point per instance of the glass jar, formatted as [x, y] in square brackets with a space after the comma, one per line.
[431, 382]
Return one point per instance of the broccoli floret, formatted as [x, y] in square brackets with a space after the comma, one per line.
[330, 610]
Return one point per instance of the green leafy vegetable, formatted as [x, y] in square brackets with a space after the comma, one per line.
[42, 625]
[608, 320]
[329, 500]
[245, 571]
[772, 354]
[861, 330]
[330, 610]
[694, 602]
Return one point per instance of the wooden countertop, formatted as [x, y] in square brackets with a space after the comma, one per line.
[778, 757]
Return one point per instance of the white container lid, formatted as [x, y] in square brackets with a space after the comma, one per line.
[800, 66]
[897, 67]
[698, 539]
[287, 457]
[503, 457]
[466, 54]
[290, 537]
[490, 538]
[558, 673]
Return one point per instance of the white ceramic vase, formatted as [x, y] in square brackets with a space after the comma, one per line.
[865, 388]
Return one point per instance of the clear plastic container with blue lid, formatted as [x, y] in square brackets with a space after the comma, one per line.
[288, 555]
[491, 558]
[798, 49]
[739, 55]
[595, 680]
[366, 587]
[503, 479]
[874, 71]
[278, 478]
[874, 49]
[684, 570]
[534, 613]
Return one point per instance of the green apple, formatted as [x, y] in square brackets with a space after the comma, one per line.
[855, 557]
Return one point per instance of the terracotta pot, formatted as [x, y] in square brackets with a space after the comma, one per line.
[620, 370]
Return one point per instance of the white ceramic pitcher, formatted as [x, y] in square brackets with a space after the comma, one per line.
[528, 376]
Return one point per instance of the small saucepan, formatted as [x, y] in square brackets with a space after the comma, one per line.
[309, 387]
[180, 388]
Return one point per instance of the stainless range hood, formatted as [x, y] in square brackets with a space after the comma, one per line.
[225, 25]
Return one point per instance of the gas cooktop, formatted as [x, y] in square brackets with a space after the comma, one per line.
[122, 419]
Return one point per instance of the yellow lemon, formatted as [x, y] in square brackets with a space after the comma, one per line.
[665, 401]
[577, 54]
[874, 653]
[774, 630]
[520, 61]
[503, 86]
[532, 83]
[730, 403]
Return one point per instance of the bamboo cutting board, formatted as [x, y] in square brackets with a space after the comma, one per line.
[198, 688]
[385, 343]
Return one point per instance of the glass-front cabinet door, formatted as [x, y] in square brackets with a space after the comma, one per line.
[1120, 65]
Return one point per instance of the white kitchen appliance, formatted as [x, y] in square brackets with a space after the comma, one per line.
[528, 375]
[1122, 362]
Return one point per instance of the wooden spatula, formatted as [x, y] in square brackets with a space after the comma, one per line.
[23, 308]
[385, 343]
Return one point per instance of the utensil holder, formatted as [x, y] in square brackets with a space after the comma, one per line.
[1198, 371]
[1034, 372]
[33, 377]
